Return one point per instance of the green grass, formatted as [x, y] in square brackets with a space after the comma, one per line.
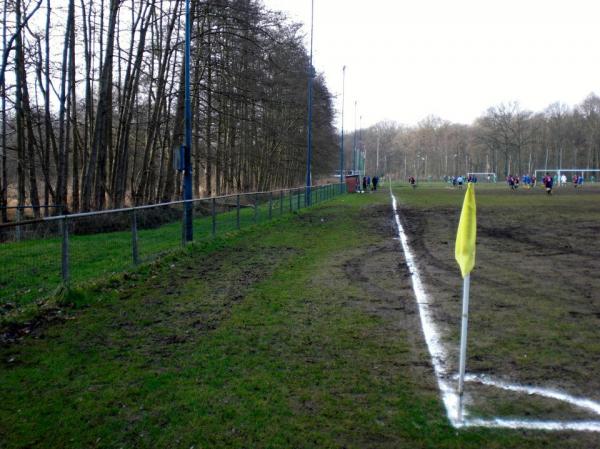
[282, 336]
[32, 268]
[533, 315]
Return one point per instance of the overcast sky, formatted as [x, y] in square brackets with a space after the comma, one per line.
[407, 59]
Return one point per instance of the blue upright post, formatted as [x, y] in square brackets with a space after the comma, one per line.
[311, 75]
[342, 138]
[187, 170]
[354, 149]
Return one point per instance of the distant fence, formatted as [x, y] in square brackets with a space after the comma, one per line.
[40, 254]
[24, 212]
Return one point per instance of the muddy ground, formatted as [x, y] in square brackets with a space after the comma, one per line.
[535, 293]
[257, 340]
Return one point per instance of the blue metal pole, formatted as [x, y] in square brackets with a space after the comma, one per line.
[342, 138]
[187, 171]
[360, 147]
[311, 75]
[354, 149]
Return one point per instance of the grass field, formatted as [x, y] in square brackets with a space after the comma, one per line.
[32, 268]
[304, 333]
[535, 304]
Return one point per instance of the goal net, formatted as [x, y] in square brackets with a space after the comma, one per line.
[565, 175]
[483, 176]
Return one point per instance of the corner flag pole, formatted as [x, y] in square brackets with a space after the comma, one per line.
[463, 344]
[464, 253]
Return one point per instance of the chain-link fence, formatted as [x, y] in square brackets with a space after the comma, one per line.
[39, 254]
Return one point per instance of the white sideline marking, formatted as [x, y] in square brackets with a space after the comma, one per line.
[430, 331]
[439, 359]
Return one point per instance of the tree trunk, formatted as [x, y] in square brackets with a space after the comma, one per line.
[3, 173]
[73, 120]
[94, 181]
[19, 113]
[61, 172]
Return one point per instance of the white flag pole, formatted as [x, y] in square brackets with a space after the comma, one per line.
[463, 344]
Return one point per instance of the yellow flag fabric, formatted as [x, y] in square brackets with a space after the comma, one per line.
[466, 235]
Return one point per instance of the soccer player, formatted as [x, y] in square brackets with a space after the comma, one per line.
[563, 179]
[511, 182]
[548, 182]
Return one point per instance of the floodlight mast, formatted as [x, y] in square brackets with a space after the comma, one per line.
[311, 75]
[187, 152]
[342, 137]
[354, 146]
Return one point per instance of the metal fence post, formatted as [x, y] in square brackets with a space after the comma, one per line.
[280, 203]
[255, 207]
[270, 205]
[291, 199]
[60, 223]
[65, 251]
[298, 200]
[18, 228]
[183, 227]
[134, 238]
[214, 216]
[238, 211]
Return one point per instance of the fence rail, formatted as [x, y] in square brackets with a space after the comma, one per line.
[39, 254]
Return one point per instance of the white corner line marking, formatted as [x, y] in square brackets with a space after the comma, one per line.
[439, 359]
[544, 392]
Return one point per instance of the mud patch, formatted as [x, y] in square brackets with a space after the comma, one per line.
[534, 300]
[197, 295]
[381, 286]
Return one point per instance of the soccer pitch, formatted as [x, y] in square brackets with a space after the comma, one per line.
[533, 338]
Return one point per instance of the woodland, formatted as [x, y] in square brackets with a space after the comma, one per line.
[93, 100]
[506, 140]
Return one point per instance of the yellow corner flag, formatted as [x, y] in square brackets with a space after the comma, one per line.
[464, 251]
